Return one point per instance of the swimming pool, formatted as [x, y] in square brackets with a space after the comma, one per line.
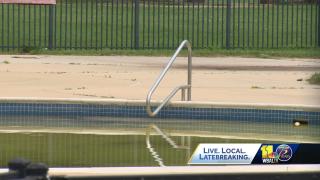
[78, 133]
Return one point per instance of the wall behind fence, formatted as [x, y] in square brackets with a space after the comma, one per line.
[160, 24]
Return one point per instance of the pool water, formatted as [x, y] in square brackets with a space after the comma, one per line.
[219, 128]
[83, 150]
[82, 134]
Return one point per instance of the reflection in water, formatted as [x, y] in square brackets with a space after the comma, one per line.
[77, 141]
[166, 137]
[82, 148]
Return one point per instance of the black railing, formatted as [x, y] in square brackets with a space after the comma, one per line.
[160, 24]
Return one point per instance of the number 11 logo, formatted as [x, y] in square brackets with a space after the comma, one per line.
[267, 152]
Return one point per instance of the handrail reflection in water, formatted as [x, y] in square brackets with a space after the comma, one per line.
[166, 137]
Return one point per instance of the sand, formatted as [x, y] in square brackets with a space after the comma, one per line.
[223, 79]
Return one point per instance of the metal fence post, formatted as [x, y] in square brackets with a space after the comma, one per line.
[50, 38]
[136, 23]
[318, 23]
[228, 21]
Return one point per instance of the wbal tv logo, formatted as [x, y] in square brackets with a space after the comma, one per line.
[283, 153]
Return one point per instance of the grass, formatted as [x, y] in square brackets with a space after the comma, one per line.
[211, 52]
[90, 26]
[6, 62]
[315, 79]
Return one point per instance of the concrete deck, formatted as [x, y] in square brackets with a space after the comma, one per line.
[226, 80]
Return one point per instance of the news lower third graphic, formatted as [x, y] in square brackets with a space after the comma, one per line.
[256, 154]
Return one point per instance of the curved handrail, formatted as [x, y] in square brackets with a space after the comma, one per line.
[151, 113]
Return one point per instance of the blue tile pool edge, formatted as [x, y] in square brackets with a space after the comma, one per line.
[185, 104]
[175, 110]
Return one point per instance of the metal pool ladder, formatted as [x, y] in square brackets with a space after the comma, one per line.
[149, 110]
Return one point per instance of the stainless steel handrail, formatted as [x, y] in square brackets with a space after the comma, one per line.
[151, 113]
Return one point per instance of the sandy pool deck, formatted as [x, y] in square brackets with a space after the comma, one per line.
[223, 79]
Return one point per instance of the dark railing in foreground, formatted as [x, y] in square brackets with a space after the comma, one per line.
[26, 170]
[160, 24]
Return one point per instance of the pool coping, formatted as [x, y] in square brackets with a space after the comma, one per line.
[185, 104]
[180, 170]
[187, 170]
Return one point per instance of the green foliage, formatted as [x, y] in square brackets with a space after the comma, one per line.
[27, 49]
[315, 79]
[212, 52]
